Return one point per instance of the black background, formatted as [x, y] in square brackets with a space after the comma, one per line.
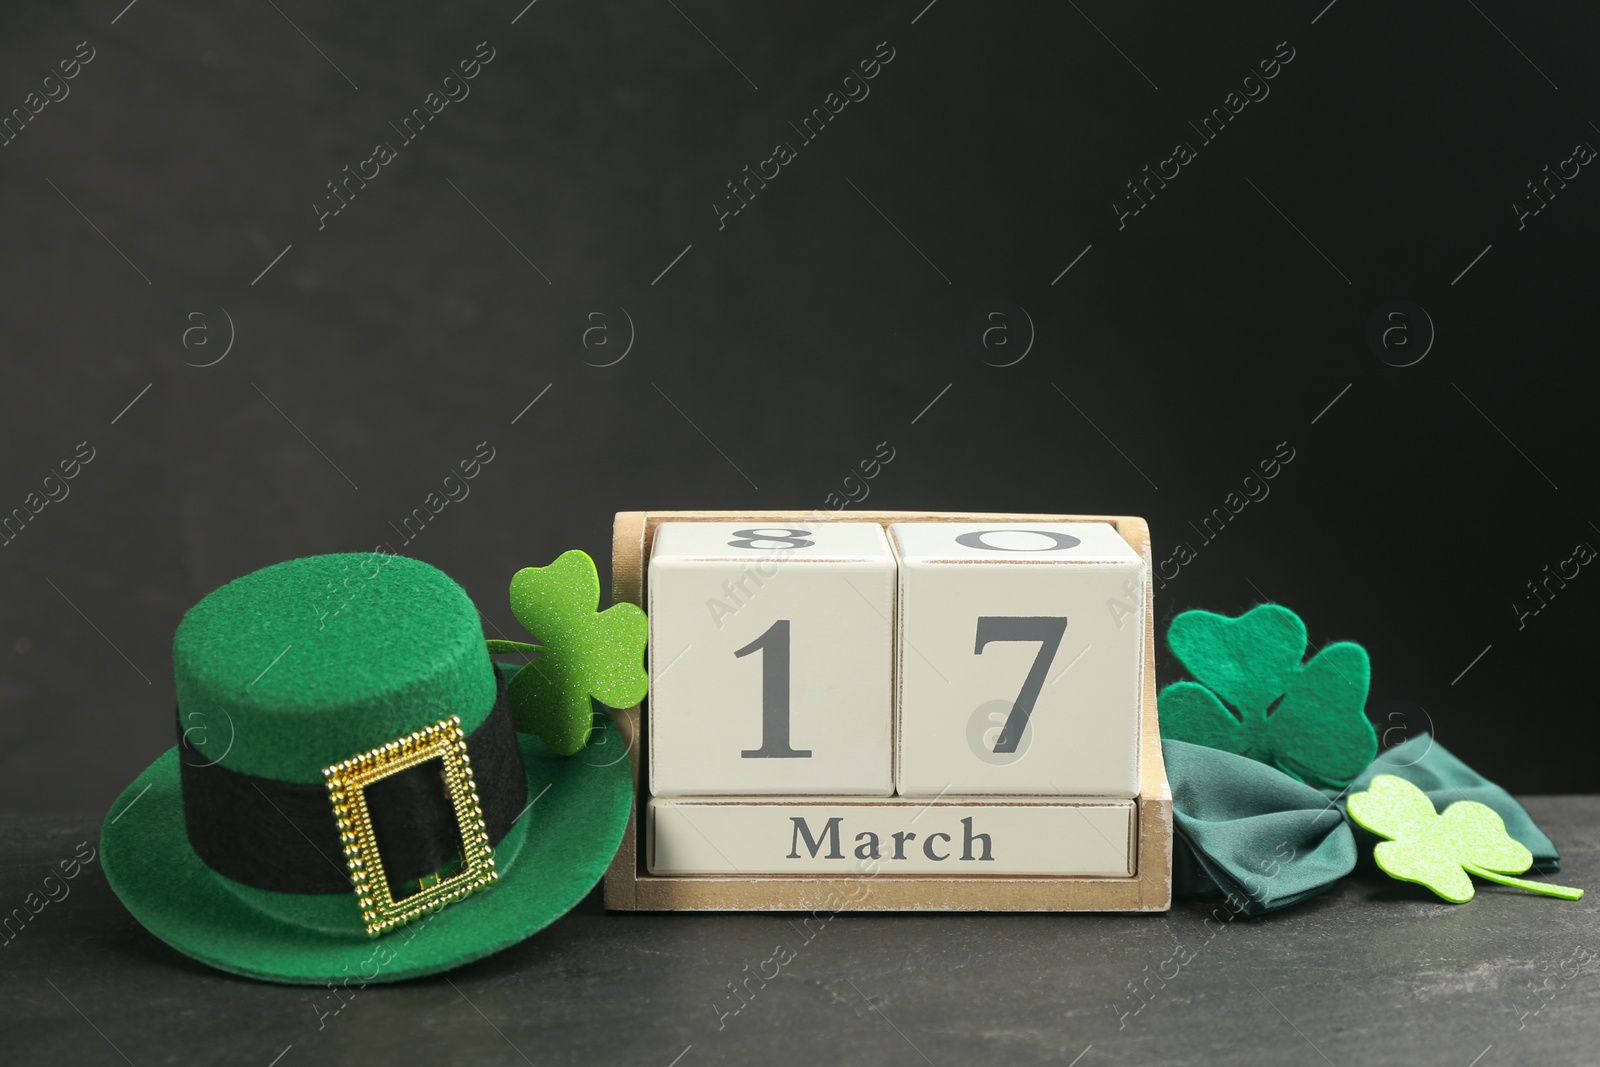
[1173, 357]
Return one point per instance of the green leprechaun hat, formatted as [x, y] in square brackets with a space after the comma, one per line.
[349, 797]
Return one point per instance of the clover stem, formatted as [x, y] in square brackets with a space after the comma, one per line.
[1544, 888]
[497, 647]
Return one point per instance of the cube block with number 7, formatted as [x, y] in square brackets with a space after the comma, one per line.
[1021, 659]
[771, 659]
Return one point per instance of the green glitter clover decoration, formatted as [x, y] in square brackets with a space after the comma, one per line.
[586, 653]
[1254, 697]
[1440, 850]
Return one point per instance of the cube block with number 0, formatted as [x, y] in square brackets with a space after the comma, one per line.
[771, 659]
[1021, 659]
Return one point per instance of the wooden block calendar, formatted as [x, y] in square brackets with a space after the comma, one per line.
[893, 711]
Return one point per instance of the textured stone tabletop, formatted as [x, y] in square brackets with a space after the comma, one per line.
[1374, 972]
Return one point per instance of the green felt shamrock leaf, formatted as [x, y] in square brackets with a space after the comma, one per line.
[585, 653]
[1255, 697]
[1439, 851]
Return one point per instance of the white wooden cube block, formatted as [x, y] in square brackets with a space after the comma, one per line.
[1021, 662]
[771, 659]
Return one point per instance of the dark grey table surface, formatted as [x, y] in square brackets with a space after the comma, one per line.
[1373, 972]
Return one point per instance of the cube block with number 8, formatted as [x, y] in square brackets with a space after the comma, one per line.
[1021, 659]
[771, 659]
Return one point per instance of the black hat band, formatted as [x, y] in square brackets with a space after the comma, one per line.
[283, 836]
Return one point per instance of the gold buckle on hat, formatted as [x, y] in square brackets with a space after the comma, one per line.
[347, 783]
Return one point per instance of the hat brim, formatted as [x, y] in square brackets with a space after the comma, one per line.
[549, 861]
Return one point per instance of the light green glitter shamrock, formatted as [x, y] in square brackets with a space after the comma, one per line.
[1439, 851]
[585, 653]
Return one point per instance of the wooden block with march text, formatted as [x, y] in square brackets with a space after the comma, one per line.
[771, 659]
[666, 863]
[867, 838]
[1021, 659]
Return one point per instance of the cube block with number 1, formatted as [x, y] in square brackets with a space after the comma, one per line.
[771, 659]
[1021, 659]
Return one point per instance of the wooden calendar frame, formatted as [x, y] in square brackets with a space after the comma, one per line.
[630, 887]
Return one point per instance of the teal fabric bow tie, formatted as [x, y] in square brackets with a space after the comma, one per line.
[1250, 833]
